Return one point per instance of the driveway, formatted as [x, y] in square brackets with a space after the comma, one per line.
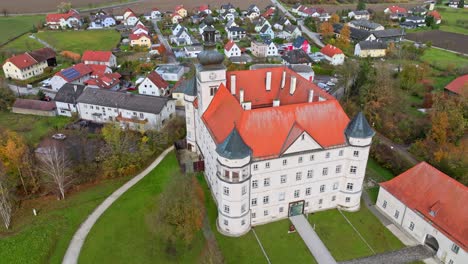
[169, 52]
[405, 255]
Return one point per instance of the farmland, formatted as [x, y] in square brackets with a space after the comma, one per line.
[453, 19]
[14, 26]
[442, 39]
[22, 44]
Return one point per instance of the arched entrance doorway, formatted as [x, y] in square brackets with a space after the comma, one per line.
[431, 242]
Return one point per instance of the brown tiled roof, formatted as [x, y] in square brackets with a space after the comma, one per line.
[34, 105]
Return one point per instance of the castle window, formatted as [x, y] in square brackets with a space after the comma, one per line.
[226, 191]
[349, 186]
[254, 201]
[308, 191]
[348, 199]
[322, 188]
[296, 194]
[266, 199]
[356, 153]
[353, 170]
[340, 153]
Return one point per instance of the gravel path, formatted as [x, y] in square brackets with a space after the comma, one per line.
[405, 255]
[73, 251]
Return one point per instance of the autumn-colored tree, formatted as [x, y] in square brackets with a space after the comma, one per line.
[344, 38]
[326, 29]
[334, 19]
[6, 198]
[13, 149]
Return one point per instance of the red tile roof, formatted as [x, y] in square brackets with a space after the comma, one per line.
[138, 36]
[34, 105]
[330, 50]
[22, 61]
[458, 85]
[397, 9]
[155, 78]
[268, 13]
[203, 8]
[100, 56]
[81, 68]
[155, 9]
[435, 14]
[229, 45]
[99, 69]
[177, 8]
[55, 18]
[105, 81]
[138, 26]
[266, 130]
[424, 188]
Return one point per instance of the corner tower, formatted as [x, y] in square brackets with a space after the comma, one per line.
[210, 71]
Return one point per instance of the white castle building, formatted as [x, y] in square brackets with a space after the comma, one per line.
[273, 143]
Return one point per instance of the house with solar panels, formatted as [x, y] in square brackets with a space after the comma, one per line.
[76, 74]
[274, 144]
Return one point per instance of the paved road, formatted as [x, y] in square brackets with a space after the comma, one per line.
[73, 251]
[33, 36]
[405, 255]
[312, 240]
[402, 150]
[169, 52]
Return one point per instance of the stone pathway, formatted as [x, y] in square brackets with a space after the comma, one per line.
[312, 240]
[404, 255]
[73, 251]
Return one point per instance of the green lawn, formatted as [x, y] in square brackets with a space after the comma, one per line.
[450, 17]
[343, 241]
[22, 44]
[377, 172]
[440, 59]
[441, 81]
[45, 238]
[124, 234]
[373, 193]
[13, 26]
[32, 128]
[79, 41]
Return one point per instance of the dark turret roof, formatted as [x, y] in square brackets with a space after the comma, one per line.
[233, 147]
[359, 127]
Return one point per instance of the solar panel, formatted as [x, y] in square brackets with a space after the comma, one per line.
[70, 73]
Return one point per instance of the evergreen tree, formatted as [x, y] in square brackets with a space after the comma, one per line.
[361, 5]
[461, 4]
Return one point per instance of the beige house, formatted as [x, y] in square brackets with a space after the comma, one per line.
[370, 48]
[140, 40]
[262, 49]
[29, 64]
[181, 11]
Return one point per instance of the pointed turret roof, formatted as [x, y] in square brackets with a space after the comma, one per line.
[233, 147]
[359, 127]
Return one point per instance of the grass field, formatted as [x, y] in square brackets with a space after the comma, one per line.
[79, 41]
[13, 26]
[377, 172]
[124, 235]
[32, 128]
[22, 44]
[450, 17]
[344, 243]
[45, 238]
[440, 59]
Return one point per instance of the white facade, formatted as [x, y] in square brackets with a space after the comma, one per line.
[66, 109]
[102, 22]
[147, 87]
[419, 228]
[234, 51]
[57, 81]
[235, 34]
[111, 63]
[12, 71]
[263, 50]
[337, 59]
[131, 21]
[170, 72]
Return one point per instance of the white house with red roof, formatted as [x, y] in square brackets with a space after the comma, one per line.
[176, 18]
[129, 17]
[153, 85]
[109, 81]
[204, 9]
[138, 29]
[76, 74]
[436, 15]
[29, 64]
[99, 58]
[141, 39]
[274, 144]
[333, 55]
[71, 19]
[180, 9]
[396, 12]
[155, 13]
[431, 207]
[231, 49]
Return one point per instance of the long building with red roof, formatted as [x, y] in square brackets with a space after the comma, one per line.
[274, 144]
[71, 19]
[431, 207]
[29, 64]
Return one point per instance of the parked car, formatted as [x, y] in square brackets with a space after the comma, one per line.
[330, 83]
[322, 85]
[59, 136]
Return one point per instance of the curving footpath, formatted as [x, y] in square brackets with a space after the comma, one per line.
[73, 251]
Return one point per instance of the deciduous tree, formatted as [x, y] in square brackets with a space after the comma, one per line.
[344, 38]
[55, 165]
[326, 29]
[6, 199]
[334, 19]
[13, 149]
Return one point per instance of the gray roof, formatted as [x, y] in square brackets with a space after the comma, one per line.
[388, 33]
[233, 147]
[365, 23]
[369, 45]
[188, 87]
[264, 28]
[238, 29]
[361, 12]
[67, 93]
[297, 56]
[356, 33]
[359, 127]
[128, 101]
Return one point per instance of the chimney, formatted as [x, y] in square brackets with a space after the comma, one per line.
[268, 81]
[75, 87]
[292, 88]
[311, 96]
[241, 96]
[276, 102]
[233, 84]
[283, 80]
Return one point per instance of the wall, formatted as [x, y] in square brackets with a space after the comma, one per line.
[33, 112]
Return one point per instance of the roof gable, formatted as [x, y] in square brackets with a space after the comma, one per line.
[331, 51]
[298, 142]
[157, 80]
[458, 85]
[101, 56]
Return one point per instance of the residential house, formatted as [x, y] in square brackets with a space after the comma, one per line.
[179, 89]
[182, 37]
[142, 40]
[297, 56]
[417, 11]
[289, 32]
[274, 145]
[282, 22]
[101, 21]
[139, 29]
[196, 19]
[389, 35]
[130, 18]
[231, 49]
[371, 49]
[230, 23]
[204, 9]
[254, 8]
[436, 15]
[333, 54]
[193, 51]
[66, 99]
[301, 43]
[252, 15]
[29, 64]
[34, 107]
[430, 206]
[156, 14]
[201, 28]
[455, 3]
[396, 12]
[305, 11]
[264, 49]
[365, 24]
[229, 16]
[99, 58]
[267, 31]
[459, 86]
[181, 11]
[76, 74]
[153, 85]
[71, 19]
[356, 34]
[170, 72]
[132, 111]
[269, 13]
[176, 29]
[176, 18]
[227, 8]
[108, 81]
[236, 33]
[260, 23]
[295, 8]
[413, 22]
[359, 14]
